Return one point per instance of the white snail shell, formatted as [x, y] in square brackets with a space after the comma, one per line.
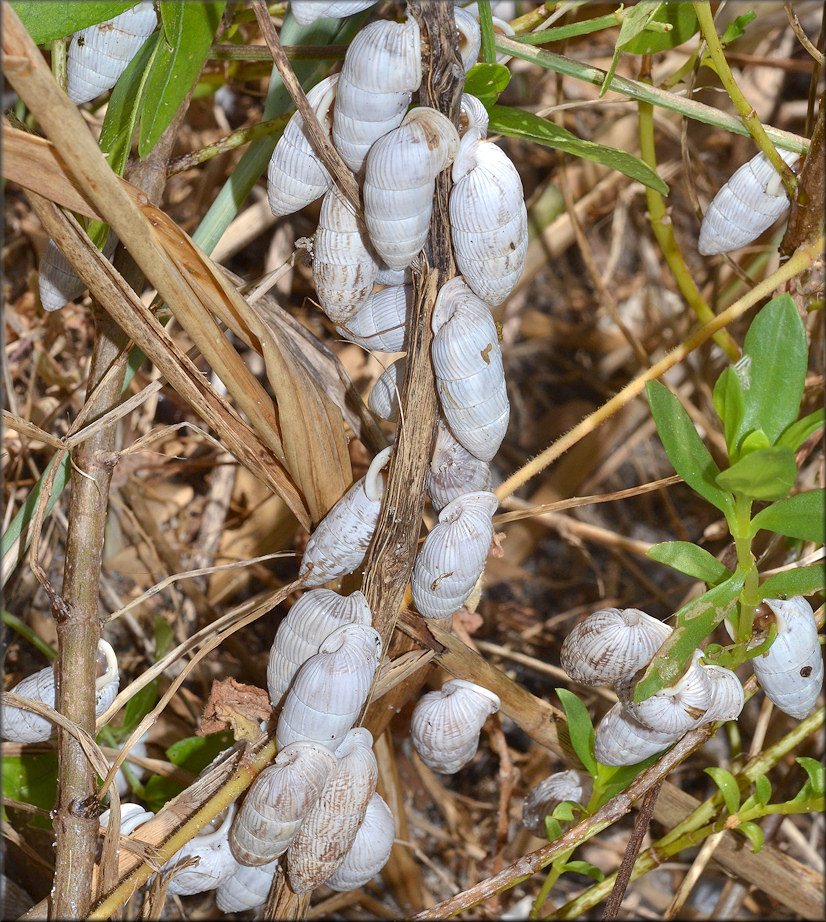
[139, 749]
[247, 888]
[370, 850]
[379, 324]
[330, 827]
[344, 264]
[453, 470]
[727, 697]
[453, 555]
[278, 801]
[98, 55]
[502, 26]
[621, 740]
[295, 175]
[399, 183]
[384, 395]
[676, 708]
[308, 11]
[488, 218]
[21, 726]
[470, 376]
[473, 115]
[131, 816]
[388, 276]
[749, 203]
[470, 37]
[382, 68]
[313, 618]
[790, 672]
[446, 724]
[543, 798]
[215, 860]
[330, 689]
[341, 540]
[57, 282]
[611, 645]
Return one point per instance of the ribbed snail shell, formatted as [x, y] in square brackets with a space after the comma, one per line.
[379, 324]
[399, 182]
[388, 276]
[453, 555]
[278, 801]
[341, 540]
[247, 888]
[98, 55]
[473, 115]
[611, 645]
[21, 726]
[543, 798]
[749, 203]
[382, 68]
[57, 282]
[344, 264]
[370, 850]
[501, 26]
[676, 708]
[215, 860]
[308, 11]
[313, 618]
[131, 816]
[330, 689]
[384, 395]
[727, 697]
[488, 218]
[621, 740]
[295, 175]
[453, 470]
[470, 377]
[470, 37]
[445, 725]
[790, 672]
[330, 827]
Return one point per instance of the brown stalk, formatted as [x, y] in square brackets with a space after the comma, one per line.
[806, 217]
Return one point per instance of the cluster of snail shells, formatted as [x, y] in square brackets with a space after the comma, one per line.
[613, 647]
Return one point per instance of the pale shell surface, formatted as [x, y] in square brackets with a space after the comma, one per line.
[57, 282]
[445, 725]
[453, 470]
[676, 708]
[470, 376]
[611, 645]
[473, 115]
[370, 850]
[453, 555]
[543, 798]
[727, 698]
[131, 816]
[384, 395]
[98, 55]
[379, 324]
[308, 11]
[621, 740]
[215, 860]
[470, 37]
[388, 276]
[247, 888]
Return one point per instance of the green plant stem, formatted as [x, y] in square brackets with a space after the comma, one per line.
[663, 231]
[749, 594]
[532, 20]
[486, 28]
[23, 629]
[747, 113]
[556, 870]
[561, 33]
[272, 126]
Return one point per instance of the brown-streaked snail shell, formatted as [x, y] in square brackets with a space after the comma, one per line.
[379, 324]
[543, 798]
[370, 850]
[621, 740]
[453, 470]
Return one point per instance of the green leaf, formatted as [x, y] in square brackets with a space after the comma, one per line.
[163, 637]
[612, 779]
[517, 123]
[159, 790]
[763, 789]
[691, 559]
[194, 753]
[695, 621]
[685, 449]
[800, 581]
[634, 22]
[730, 405]
[799, 516]
[584, 867]
[488, 49]
[815, 771]
[737, 27]
[564, 811]
[486, 82]
[580, 729]
[727, 784]
[46, 20]
[683, 21]
[754, 441]
[765, 474]
[573, 30]
[552, 828]
[754, 834]
[796, 434]
[32, 779]
[189, 29]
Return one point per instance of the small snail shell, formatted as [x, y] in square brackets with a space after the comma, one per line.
[727, 697]
[453, 470]
[307, 11]
[295, 175]
[470, 37]
[22, 726]
[544, 797]
[473, 115]
[278, 801]
[384, 395]
[58, 283]
[131, 816]
[749, 203]
[611, 645]
[388, 276]
[676, 708]
[215, 861]
[453, 555]
[370, 850]
[470, 377]
[790, 672]
[488, 218]
[330, 827]
[98, 55]
[446, 724]
[379, 324]
[399, 182]
[621, 740]
[344, 264]
[341, 540]
[502, 26]
[382, 68]
[330, 689]
[313, 618]
[247, 888]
